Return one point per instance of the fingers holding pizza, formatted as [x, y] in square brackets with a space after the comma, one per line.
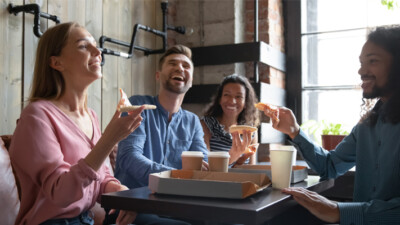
[269, 110]
[250, 150]
[124, 105]
[283, 118]
[241, 139]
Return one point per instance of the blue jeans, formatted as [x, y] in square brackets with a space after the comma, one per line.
[82, 219]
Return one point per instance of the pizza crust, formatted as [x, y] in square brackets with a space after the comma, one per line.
[133, 107]
[241, 128]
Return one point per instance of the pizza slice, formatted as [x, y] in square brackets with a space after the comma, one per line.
[133, 107]
[241, 128]
[271, 110]
[125, 105]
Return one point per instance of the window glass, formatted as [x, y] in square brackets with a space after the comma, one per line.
[333, 33]
[333, 106]
[330, 15]
[331, 59]
[381, 15]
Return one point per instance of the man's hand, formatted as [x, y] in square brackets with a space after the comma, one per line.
[287, 122]
[126, 217]
[318, 205]
[204, 166]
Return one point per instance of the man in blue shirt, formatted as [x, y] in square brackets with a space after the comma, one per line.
[165, 132]
[373, 146]
[157, 144]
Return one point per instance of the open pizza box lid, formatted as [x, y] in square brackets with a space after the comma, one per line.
[299, 173]
[208, 184]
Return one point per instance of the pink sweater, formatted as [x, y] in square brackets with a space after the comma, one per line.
[47, 152]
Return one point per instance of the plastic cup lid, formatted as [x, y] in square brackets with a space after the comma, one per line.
[193, 153]
[219, 154]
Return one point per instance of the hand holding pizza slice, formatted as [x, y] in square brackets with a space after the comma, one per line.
[251, 148]
[270, 110]
[124, 101]
[125, 105]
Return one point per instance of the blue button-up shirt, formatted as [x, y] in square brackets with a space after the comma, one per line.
[156, 145]
[375, 151]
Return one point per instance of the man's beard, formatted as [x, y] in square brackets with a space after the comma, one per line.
[376, 92]
[176, 89]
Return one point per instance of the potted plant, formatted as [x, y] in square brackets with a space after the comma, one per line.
[332, 135]
[329, 135]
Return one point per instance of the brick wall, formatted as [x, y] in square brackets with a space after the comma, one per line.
[270, 31]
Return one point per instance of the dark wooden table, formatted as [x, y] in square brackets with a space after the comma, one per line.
[256, 209]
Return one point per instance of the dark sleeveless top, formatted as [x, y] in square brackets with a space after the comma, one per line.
[220, 140]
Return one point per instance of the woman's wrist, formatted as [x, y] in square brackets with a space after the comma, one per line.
[233, 157]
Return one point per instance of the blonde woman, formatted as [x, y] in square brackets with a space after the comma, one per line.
[57, 150]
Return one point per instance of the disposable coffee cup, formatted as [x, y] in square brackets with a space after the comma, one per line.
[289, 147]
[281, 167]
[218, 161]
[192, 160]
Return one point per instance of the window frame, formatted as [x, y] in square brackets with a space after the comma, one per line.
[293, 49]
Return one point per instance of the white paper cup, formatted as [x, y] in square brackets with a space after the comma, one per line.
[192, 160]
[281, 167]
[289, 147]
[218, 161]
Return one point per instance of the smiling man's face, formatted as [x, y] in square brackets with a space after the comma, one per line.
[176, 73]
[375, 67]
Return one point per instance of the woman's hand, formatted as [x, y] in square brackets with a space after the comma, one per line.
[239, 145]
[318, 205]
[287, 122]
[253, 149]
[120, 127]
[124, 217]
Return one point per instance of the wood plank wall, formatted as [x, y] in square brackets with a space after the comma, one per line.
[113, 18]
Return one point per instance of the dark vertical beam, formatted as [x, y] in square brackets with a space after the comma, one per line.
[255, 63]
[292, 20]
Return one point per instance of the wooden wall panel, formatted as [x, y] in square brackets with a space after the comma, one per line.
[30, 45]
[110, 68]
[135, 75]
[67, 11]
[125, 27]
[10, 67]
[144, 67]
[93, 23]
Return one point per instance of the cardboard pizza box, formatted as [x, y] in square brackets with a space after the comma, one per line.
[208, 184]
[299, 173]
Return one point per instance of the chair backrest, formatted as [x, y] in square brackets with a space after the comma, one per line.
[8, 187]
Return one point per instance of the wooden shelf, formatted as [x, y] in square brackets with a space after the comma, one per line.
[242, 52]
